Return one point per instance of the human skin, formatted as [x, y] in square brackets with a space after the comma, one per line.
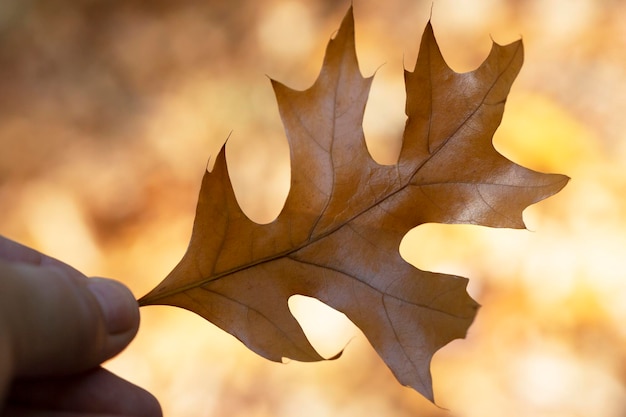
[56, 329]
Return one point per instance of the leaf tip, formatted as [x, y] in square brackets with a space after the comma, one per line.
[336, 356]
[210, 165]
[347, 24]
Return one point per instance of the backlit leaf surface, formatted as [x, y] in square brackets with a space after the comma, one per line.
[338, 235]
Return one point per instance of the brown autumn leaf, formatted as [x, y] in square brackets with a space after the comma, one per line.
[338, 235]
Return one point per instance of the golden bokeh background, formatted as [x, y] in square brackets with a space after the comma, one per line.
[109, 112]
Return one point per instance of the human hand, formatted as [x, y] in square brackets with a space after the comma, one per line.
[56, 327]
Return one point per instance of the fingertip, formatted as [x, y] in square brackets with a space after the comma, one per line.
[117, 303]
[119, 309]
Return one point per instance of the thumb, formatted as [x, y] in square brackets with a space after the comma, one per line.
[58, 321]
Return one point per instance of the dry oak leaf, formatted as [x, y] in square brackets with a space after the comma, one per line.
[338, 235]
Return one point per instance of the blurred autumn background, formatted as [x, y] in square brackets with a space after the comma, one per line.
[109, 112]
